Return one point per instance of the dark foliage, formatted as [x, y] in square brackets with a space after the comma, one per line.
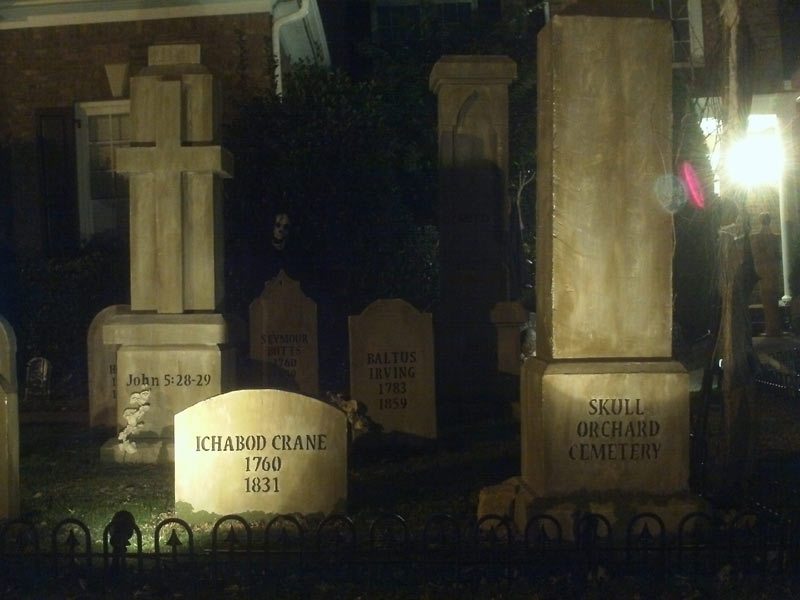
[58, 298]
[328, 153]
[694, 262]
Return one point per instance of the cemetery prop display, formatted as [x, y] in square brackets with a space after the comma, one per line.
[257, 453]
[283, 336]
[392, 367]
[175, 167]
[604, 408]
[9, 423]
[474, 212]
[102, 366]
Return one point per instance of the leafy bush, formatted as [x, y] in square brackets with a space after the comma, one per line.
[326, 152]
[60, 297]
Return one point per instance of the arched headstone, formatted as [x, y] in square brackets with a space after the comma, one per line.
[392, 367]
[9, 423]
[260, 453]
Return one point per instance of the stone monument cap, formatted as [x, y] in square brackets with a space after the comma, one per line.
[459, 69]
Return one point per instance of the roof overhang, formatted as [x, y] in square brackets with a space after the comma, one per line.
[300, 38]
[21, 14]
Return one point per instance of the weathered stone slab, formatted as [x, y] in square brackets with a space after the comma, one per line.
[590, 426]
[283, 336]
[604, 240]
[177, 377]
[102, 359]
[9, 423]
[148, 328]
[258, 453]
[392, 366]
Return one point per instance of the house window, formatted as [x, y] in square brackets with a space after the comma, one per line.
[687, 29]
[59, 216]
[101, 127]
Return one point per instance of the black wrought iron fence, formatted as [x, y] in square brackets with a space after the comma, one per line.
[283, 554]
[780, 372]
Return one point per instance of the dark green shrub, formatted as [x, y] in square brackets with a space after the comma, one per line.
[58, 298]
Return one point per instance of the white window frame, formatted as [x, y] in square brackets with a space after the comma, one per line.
[694, 9]
[696, 41]
[84, 110]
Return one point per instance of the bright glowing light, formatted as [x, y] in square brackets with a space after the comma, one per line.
[712, 130]
[757, 159]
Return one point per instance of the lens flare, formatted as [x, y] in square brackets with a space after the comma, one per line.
[671, 193]
[693, 186]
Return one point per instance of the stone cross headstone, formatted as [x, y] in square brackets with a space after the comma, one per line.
[604, 408]
[392, 367]
[102, 366]
[260, 453]
[9, 423]
[175, 168]
[283, 336]
[474, 212]
[170, 356]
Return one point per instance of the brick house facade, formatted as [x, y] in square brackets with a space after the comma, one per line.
[50, 60]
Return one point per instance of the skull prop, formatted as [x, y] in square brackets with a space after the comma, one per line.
[280, 230]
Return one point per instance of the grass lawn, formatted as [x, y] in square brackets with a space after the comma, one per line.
[62, 476]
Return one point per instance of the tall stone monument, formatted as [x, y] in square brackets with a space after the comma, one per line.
[173, 347]
[9, 423]
[605, 411]
[472, 96]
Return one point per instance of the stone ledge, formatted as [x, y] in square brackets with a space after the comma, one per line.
[180, 329]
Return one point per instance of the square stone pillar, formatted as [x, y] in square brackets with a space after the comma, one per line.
[604, 408]
[472, 96]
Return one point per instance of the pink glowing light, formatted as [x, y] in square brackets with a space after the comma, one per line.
[693, 185]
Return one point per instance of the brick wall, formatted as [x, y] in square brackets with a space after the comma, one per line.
[763, 28]
[763, 34]
[53, 67]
